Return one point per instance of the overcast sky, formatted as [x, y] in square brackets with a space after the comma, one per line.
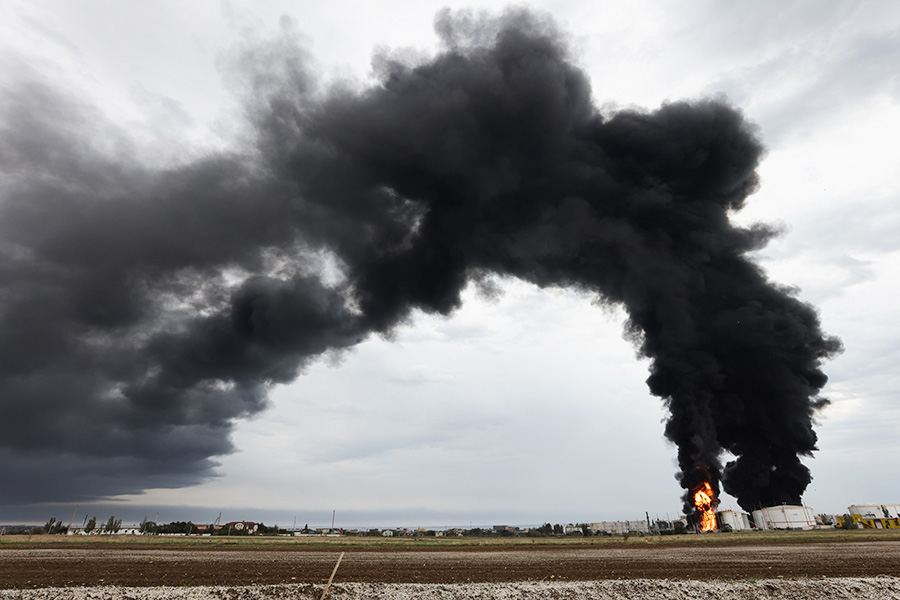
[526, 406]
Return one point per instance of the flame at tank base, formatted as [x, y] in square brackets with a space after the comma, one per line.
[705, 502]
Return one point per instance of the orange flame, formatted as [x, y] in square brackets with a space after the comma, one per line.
[704, 501]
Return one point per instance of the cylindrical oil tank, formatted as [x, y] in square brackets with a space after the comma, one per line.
[737, 521]
[876, 511]
[876, 516]
[784, 516]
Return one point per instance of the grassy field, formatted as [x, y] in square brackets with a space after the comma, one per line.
[261, 542]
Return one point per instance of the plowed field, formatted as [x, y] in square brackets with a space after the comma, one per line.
[123, 564]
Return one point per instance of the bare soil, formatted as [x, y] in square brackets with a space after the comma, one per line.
[140, 565]
[873, 588]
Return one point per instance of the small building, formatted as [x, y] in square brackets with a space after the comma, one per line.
[609, 527]
[784, 516]
[241, 527]
[660, 525]
[734, 519]
[875, 516]
[669, 526]
[506, 530]
[827, 521]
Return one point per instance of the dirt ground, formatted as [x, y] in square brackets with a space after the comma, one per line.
[137, 566]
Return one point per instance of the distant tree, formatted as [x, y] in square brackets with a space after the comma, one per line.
[149, 527]
[23, 530]
[177, 527]
[558, 529]
[678, 528]
[112, 525]
[90, 525]
[49, 524]
[53, 526]
[262, 529]
[847, 522]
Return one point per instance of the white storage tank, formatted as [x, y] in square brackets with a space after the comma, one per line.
[876, 511]
[876, 516]
[785, 516]
[738, 521]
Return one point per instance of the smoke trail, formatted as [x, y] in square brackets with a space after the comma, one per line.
[144, 311]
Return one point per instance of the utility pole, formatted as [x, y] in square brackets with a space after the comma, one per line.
[73, 517]
[332, 520]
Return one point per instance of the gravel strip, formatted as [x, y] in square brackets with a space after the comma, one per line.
[875, 588]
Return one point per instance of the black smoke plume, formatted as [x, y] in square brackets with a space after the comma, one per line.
[144, 309]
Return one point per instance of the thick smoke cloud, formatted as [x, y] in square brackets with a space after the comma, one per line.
[145, 310]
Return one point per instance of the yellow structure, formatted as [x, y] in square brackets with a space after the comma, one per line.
[875, 516]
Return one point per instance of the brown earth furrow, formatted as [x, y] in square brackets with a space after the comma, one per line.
[60, 567]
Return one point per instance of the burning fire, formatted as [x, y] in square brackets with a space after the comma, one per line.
[705, 501]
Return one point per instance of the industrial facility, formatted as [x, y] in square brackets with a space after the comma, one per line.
[875, 516]
[619, 527]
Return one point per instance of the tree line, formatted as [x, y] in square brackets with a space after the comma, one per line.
[56, 526]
